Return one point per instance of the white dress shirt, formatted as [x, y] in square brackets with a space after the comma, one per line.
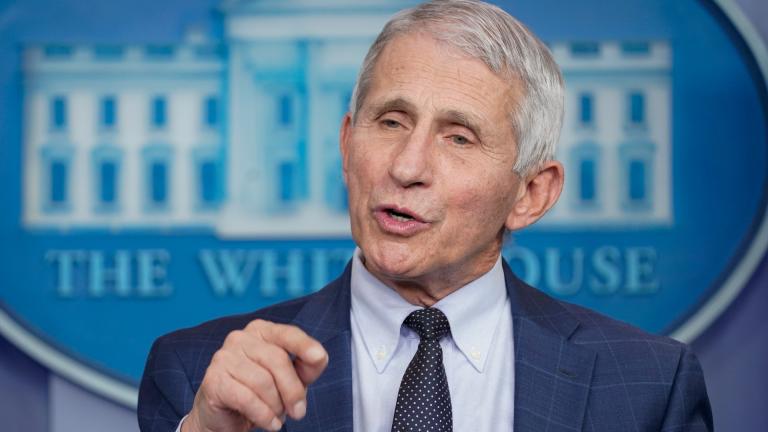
[478, 356]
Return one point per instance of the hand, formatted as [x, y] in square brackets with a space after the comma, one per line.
[252, 382]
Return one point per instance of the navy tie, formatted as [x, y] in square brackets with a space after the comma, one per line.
[423, 401]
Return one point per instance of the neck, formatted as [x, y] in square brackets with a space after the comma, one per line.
[427, 290]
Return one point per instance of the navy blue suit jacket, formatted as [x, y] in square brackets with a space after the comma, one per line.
[575, 370]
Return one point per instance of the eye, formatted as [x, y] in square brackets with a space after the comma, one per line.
[459, 140]
[392, 124]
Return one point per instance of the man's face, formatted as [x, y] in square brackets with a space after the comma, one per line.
[429, 165]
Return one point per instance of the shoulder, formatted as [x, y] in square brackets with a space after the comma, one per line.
[615, 342]
[623, 353]
[623, 343]
[655, 374]
[654, 378]
[657, 378]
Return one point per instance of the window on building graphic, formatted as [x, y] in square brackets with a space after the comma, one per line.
[159, 113]
[585, 49]
[637, 167]
[210, 182]
[209, 173]
[211, 112]
[58, 113]
[587, 180]
[635, 48]
[108, 117]
[57, 52]
[636, 108]
[637, 181]
[108, 52]
[586, 162]
[157, 176]
[59, 182]
[586, 109]
[286, 182]
[106, 165]
[158, 186]
[159, 52]
[56, 169]
[108, 182]
[285, 110]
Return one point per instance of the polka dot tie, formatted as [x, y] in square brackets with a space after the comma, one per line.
[423, 401]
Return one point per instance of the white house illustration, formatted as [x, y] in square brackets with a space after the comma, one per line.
[239, 136]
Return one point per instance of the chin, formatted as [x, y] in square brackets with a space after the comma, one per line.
[392, 259]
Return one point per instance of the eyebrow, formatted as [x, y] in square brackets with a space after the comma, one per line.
[460, 118]
[396, 104]
[463, 119]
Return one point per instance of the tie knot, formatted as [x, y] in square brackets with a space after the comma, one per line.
[429, 323]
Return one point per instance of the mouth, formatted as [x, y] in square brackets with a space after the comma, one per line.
[399, 220]
[399, 216]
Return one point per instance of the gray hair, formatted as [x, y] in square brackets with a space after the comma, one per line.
[507, 47]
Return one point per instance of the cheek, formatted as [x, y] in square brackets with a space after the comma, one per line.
[484, 205]
[362, 174]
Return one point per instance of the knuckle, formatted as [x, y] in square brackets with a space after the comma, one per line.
[294, 332]
[243, 399]
[211, 403]
[219, 359]
[260, 414]
[235, 337]
[209, 380]
[294, 394]
[257, 322]
[279, 355]
[262, 380]
[257, 325]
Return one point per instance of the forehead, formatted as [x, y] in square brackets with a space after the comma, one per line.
[429, 73]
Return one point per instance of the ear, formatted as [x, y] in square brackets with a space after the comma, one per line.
[344, 135]
[538, 193]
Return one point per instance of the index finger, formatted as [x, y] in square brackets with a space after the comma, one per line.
[308, 351]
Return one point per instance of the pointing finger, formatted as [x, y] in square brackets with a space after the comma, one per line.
[309, 352]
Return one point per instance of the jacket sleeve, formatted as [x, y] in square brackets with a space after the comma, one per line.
[688, 409]
[165, 393]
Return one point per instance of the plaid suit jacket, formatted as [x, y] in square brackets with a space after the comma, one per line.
[575, 370]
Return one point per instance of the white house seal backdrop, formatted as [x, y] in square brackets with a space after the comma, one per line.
[156, 177]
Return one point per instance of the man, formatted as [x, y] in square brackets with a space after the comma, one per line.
[448, 146]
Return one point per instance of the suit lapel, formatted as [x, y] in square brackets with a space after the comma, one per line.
[552, 374]
[326, 318]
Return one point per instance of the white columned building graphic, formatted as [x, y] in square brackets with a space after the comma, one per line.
[616, 139]
[239, 135]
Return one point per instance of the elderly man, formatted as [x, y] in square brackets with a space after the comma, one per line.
[448, 146]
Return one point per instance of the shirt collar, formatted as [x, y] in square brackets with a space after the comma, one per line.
[473, 312]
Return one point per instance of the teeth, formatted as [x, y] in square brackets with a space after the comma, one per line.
[401, 218]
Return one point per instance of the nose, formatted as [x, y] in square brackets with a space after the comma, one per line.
[412, 163]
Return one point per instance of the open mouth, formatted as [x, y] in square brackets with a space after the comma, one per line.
[399, 221]
[399, 216]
